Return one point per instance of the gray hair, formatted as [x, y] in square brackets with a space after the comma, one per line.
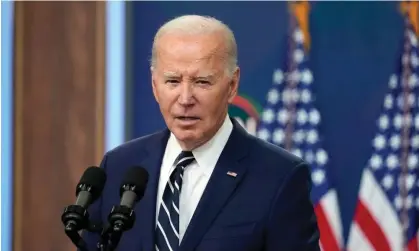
[195, 25]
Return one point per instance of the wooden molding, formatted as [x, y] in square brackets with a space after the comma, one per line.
[59, 88]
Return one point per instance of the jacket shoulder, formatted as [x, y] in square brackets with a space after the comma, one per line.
[270, 153]
[138, 144]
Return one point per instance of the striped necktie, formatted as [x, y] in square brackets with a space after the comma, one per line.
[167, 231]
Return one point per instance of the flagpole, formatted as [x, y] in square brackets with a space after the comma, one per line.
[290, 78]
[406, 72]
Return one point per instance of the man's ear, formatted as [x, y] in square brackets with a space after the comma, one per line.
[234, 85]
[153, 84]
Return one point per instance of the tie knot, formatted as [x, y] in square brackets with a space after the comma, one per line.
[185, 158]
[185, 154]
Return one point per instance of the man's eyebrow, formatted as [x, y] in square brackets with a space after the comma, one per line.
[205, 76]
[198, 76]
[171, 74]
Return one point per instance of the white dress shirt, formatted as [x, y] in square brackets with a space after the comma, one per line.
[195, 176]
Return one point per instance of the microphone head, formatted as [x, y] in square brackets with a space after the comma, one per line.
[136, 179]
[94, 178]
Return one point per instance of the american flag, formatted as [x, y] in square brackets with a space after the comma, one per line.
[291, 120]
[387, 207]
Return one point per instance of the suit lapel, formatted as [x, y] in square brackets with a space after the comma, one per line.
[152, 162]
[225, 178]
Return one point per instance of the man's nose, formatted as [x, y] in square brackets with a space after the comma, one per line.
[186, 94]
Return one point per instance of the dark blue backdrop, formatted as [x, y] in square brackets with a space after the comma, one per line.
[353, 52]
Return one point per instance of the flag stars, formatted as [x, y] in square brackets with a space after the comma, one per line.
[279, 136]
[408, 202]
[273, 96]
[268, 116]
[376, 161]
[416, 123]
[309, 156]
[318, 176]
[295, 95]
[414, 60]
[413, 39]
[298, 55]
[398, 121]
[412, 161]
[383, 122]
[401, 100]
[305, 116]
[407, 120]
[392, 83]
[298, 36]
[398, 202]
[299, 136]
[289, 96]
[415, 142]
[314, 117]
[379, 142]
[264, 134]
[305, 96]
[306, 77]
[298, 152]
[278, 77]
[321, 157]
[392, 161]
[388, 101]
[302, 116]
[283, 116]
[387, 182]
[312, 136]
[395, 141]
[413, 79]
[406, 182]
[410, 181]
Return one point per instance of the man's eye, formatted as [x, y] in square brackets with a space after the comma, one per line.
[172, 81]
[203, 82]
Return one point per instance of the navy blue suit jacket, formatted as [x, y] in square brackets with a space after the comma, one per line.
[265, 207]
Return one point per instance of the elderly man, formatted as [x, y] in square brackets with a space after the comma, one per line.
[212, 186]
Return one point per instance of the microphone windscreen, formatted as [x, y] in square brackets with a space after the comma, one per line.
[94, 177]
[136, 177]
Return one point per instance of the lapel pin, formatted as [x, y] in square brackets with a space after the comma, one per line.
[232, 174]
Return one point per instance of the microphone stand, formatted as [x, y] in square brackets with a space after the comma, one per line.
[120, 220]
[102, 245]
[75, 218]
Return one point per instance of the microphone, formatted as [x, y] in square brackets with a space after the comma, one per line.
[133, 186]
[88, 190]
[122, 216]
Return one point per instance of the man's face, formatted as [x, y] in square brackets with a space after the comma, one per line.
[191, 86]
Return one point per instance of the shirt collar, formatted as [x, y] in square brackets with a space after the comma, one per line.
[208, 153]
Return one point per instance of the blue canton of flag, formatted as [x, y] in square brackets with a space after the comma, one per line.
[388, 203]
[292, 107]
[291, 120]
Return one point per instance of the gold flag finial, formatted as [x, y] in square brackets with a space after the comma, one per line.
[301, 11]
[411, 9]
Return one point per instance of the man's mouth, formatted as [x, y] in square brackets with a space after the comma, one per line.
[187, 118]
